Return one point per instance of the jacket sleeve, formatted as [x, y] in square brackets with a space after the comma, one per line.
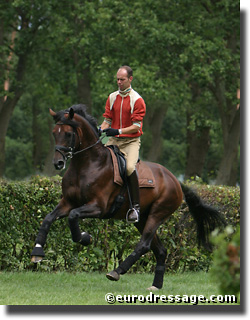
[108, 113]
[139, 111]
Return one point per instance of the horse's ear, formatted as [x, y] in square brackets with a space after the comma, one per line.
[52, 113]
[71, 113]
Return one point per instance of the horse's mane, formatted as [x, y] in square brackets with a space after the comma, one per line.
[79, 109]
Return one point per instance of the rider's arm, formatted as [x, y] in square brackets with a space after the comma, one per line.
[132, 129]
[105, 125]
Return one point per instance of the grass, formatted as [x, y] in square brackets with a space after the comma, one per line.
[62, 288]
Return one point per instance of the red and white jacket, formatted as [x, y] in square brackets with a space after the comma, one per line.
[122, 111]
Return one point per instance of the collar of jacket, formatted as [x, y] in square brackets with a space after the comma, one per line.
[126, 92]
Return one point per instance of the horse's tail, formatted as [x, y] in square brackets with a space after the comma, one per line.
[207, 218]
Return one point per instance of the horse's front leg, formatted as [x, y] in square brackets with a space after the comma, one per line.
[60, 211]
[86, 211]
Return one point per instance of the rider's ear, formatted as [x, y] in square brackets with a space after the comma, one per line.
[71, 113]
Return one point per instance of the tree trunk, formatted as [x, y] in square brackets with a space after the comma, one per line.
[154, 121]
[198, 140]
[2, 58]
[6, 109]
[83, 83]
[198, 144]
[83, 88]
[37, 143]
[230, 121]
[226, 174]
[5, 116]
[49, 169]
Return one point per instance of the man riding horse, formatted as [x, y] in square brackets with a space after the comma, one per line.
[123, 117]
[89, 191]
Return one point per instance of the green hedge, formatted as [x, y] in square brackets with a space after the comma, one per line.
[23, 205]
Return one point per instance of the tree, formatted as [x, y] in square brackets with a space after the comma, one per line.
[212, 64]
[22, 22]
[184, 59]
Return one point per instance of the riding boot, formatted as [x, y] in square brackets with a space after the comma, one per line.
[133, 213]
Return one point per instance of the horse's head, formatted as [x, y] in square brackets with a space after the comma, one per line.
[68, 133]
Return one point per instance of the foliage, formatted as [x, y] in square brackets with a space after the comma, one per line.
[182, 54]
[19, 156]
[226, 267]
[23, 205]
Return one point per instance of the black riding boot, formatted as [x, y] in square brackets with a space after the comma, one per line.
[133, 214]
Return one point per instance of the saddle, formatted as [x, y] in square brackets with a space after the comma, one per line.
[145, 175]
[146, 178]
[119, 163]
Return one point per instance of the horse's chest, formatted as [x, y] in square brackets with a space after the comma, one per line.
[80, 190]
[81, 193]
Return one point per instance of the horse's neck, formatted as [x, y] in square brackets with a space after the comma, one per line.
[88, 137]
[96, 152]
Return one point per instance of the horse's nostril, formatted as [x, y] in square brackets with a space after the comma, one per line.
[59, 165]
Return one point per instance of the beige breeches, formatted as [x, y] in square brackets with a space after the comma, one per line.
[130, 147]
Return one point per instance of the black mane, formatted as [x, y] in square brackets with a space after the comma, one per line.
[79, 109]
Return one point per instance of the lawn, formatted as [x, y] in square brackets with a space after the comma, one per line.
[62, 288]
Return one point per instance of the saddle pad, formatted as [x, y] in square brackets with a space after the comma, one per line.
[146, 177]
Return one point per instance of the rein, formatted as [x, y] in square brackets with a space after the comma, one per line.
[99, 140]
[69, 152]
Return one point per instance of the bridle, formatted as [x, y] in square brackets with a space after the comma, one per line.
[70, 152]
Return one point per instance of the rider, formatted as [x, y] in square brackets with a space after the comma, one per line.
[124, 112]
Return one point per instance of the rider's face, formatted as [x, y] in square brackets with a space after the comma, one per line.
[122, 79]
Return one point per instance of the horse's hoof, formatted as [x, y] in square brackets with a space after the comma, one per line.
[86, 239]
[113, 276]
[36, 259]
[152, 288]
[37, 254]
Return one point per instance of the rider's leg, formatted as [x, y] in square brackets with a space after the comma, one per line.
[132, 152]
[130, 148]
[133, 185]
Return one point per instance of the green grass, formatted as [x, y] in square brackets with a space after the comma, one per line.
[62, 288]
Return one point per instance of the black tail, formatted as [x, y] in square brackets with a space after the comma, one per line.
[207, 218]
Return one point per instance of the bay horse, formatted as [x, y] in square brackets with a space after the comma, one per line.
[89, 191]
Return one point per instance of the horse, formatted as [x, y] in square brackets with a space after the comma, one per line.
[89, 191]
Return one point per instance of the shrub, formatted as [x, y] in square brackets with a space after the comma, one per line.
[23, 206]
[226, 266]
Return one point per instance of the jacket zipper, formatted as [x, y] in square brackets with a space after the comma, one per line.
[121, 114]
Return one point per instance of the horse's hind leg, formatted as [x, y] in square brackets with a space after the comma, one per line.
[160, 253]
[142, 247]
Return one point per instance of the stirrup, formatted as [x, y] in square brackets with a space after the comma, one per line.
[132, 210]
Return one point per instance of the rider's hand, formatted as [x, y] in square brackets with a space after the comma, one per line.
[111, 132]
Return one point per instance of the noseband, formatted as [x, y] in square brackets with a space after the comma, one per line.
[70, 152]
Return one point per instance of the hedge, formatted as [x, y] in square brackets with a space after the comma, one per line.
[24, 204]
